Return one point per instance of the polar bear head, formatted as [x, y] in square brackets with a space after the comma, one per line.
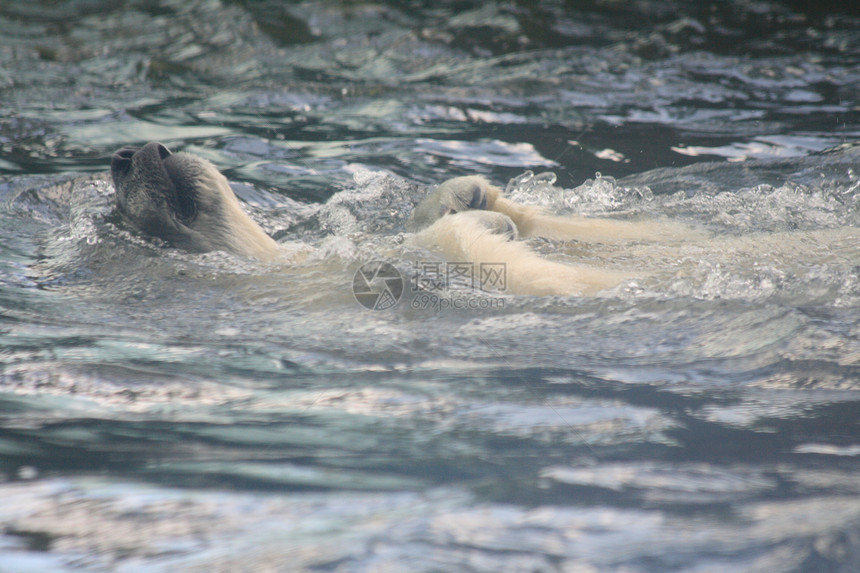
[184, 200]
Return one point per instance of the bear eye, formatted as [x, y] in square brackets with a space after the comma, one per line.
[185, 188]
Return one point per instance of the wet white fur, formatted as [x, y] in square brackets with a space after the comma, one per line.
[475, 236]
[466, 236]
[485, 236]
[221, 223]
[533, 221]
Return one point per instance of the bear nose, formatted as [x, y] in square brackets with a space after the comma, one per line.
[124, 155]
[121, 160]
[155, 147]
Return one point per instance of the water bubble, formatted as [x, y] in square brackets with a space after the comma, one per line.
[644, 192]
[28, 473]
[545, 178]
[519, 181]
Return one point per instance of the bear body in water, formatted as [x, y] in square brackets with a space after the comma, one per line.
[184, 200]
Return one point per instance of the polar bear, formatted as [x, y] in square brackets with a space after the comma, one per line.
[186, 201]
[469, 219]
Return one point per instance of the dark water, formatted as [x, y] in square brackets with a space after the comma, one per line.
[161, 411]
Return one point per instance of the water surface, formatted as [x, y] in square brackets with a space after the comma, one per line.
[163, 411]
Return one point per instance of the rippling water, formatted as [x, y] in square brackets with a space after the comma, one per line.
[161, 411]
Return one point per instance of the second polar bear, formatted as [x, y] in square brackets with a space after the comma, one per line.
[469, 220]
[186, 201]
